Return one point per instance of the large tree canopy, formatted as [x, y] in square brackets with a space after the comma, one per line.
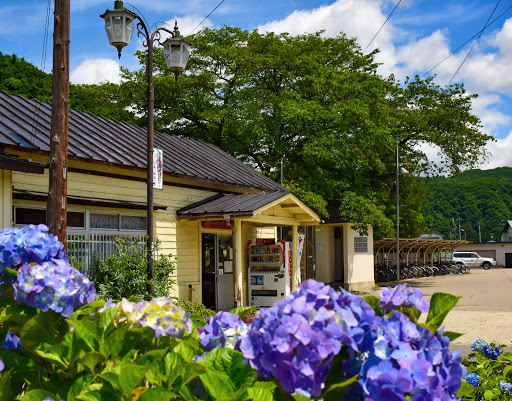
[318, 105]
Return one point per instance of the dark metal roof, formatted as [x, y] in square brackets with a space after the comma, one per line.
[231, 204]
[26, 123]
[9, 162]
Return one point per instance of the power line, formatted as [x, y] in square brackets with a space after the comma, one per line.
[218, 5]
[467, 41]
[389, 16]
[476, 41]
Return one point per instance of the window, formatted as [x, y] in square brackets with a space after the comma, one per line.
[108, 221]
[361, 245]
[133, 222]
[25, 215]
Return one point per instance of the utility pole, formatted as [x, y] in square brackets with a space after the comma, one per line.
[479, 233]
[57, 191]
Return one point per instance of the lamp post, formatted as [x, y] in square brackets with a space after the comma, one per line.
[119, 25]
[399, 171]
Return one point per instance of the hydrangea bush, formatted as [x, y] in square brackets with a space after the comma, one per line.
[61, 344]
[489, 371]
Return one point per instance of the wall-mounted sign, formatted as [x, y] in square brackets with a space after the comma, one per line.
[158, 168]
[218, 224]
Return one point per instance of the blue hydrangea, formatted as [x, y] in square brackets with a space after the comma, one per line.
[491, 352]
[478, 345]
[473, 379]
[12, 341]
[53, 285]
[296, 340]
[505, 386]
[401, 295]
[30, 244]
[405, 359]
[223, 330]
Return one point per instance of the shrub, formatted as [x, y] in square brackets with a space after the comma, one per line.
[124, 273]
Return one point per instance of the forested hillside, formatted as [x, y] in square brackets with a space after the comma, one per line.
[482, 199]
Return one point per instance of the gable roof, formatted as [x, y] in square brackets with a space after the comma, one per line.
[26, 124]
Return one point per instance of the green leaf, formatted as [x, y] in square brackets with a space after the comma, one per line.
[488, 395]
[37, 395]
[114, 342]
[243, 311]
[440, 305]
[6, 392]
[466, 390]
[259, 393]
[91, 360]
[335, 391]
[157, 394]
[99, 395]
[188, 349]
[374, 302]
[452, 335]
[231, 363]
[131, 376]
[507, 370]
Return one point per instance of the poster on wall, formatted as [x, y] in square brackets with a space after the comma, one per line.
[300, 247]
[158, 168]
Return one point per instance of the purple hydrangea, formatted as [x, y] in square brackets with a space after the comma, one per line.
[30, 244]
[2, 366]
[53, 285]
[12, 341]
[491, 352]
[505, 386]
[478, 345]
[223, 330]
[473, 379]
[401, 295]
[296, 340]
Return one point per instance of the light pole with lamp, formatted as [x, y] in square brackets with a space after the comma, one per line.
[119, 25]
[399, 171]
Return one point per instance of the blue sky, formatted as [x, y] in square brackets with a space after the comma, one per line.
[419, 35]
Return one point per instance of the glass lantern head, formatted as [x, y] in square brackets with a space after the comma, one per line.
[176, 51]
[119, 25]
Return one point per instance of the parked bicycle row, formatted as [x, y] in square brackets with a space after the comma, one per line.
[387, 273]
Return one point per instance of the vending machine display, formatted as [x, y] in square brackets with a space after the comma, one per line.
[269, 272]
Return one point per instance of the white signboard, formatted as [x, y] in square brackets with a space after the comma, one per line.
[300, 246]
[158, 168]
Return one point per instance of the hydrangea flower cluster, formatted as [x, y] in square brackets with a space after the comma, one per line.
[161, 314]
[405, 359]
[12, 341]
[491, 352]
[401, 295]
[473, 379]
[30, 244]
[223, 330]
[478, 345]
[53, 285]
[296, 340]
[504, 386]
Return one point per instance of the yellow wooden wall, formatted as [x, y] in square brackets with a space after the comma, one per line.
[179, 238]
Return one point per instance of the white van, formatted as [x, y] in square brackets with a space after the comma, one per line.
[473, 259]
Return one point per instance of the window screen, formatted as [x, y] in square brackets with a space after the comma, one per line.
[361, 245]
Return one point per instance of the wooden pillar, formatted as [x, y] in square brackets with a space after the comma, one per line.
[295, 246]
[5, 199]
[239, 258]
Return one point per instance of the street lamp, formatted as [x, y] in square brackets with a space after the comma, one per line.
[399, 171]
[120, 25]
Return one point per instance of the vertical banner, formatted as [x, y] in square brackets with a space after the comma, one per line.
[158, 168]
[300, 245]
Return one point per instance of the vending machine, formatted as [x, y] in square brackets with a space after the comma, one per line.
[270, 271]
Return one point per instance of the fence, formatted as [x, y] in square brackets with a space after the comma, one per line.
[86, 248]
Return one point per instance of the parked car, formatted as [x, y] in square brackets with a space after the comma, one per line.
[473, 259]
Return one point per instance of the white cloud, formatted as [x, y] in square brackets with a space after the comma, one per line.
[94, 71]
[500, 153]
[486, 107]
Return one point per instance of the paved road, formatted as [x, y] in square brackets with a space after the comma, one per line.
[485, 309]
